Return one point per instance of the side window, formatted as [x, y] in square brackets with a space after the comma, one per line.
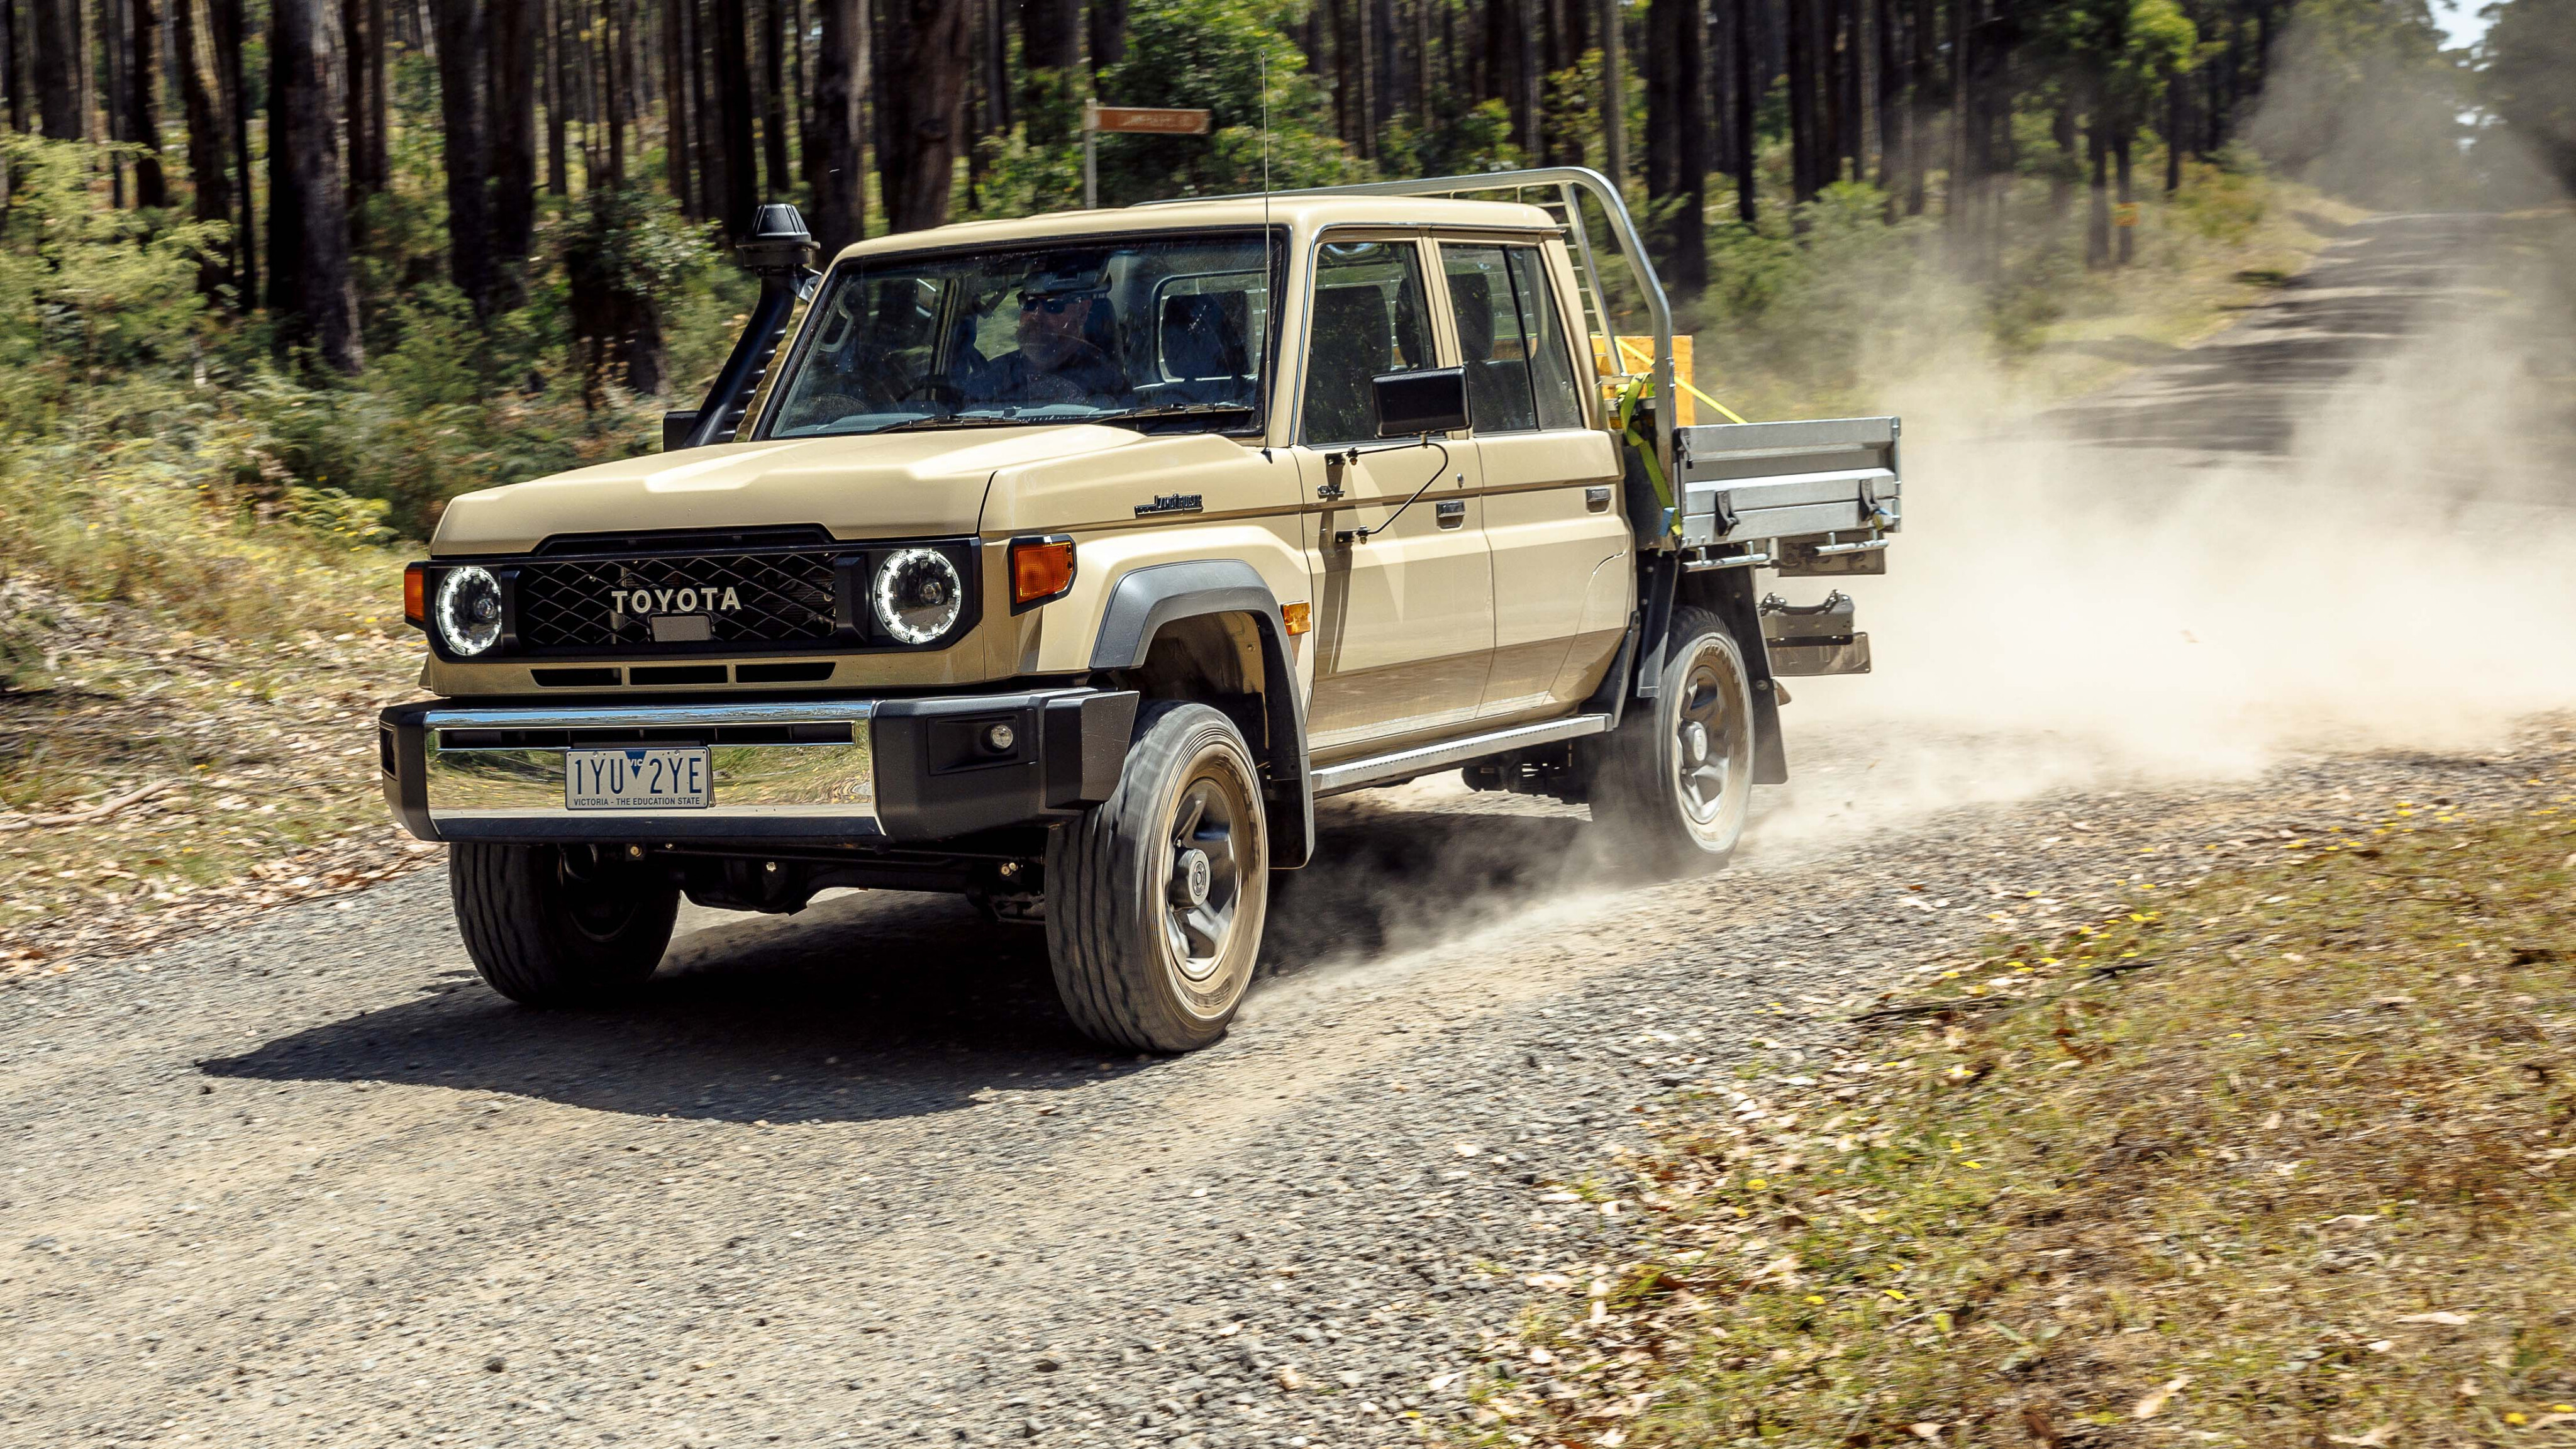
[1492, 344]
[1209, 328]
[1551, 359]
[1369, 320]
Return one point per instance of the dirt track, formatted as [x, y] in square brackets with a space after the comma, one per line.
[848, 1177]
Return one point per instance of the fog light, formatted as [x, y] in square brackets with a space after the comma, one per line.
[1000, 738]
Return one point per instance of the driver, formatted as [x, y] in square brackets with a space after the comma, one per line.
[1063, 354]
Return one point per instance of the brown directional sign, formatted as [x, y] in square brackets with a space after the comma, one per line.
[1150, 120]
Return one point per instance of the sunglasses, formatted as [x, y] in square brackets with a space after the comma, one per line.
[1054, 306]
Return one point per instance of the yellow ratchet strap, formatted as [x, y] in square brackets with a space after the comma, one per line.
[1636, 389]
[1731, 415]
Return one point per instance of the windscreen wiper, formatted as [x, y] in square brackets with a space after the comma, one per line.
[1175, 410]
[953, 420]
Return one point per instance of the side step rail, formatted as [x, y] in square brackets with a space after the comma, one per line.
[1423, 759]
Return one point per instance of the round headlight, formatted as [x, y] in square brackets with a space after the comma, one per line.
[469, 610]
[919, 595]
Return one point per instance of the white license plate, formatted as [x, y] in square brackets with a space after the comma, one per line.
[637, 779]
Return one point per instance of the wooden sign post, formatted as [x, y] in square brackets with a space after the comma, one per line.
[1129, 120]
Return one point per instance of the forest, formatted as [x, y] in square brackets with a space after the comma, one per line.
[341, 259]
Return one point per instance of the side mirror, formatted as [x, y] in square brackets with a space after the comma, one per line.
[676, 426]
[1424, 400]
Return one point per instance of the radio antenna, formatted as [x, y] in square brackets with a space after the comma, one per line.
[1269, 278]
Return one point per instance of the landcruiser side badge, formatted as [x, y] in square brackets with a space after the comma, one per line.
[1170, 503]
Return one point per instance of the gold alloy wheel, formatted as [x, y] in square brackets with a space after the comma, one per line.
[1712, 744]
[1204, 871]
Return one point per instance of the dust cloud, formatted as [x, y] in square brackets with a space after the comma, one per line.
[2349, 525]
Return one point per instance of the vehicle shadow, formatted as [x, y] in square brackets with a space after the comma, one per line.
[889, 1004]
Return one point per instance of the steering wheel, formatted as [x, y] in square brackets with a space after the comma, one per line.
[934, 388]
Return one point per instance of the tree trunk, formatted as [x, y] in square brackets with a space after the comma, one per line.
[1050, 47]
[379, 154]
[773, 96]
[354, 53]
[224, 32]
[1532, 82]
[2097, 213]
[465, 135]
[1891, 103]
[1346, 86]
[1921, 106]
[1747, 159]
[840, 175]
[206, 159]
[994, 59]
[1614, 94]
[675, 97]
[558, 147]
[2062, 176]
[2121, 138]
[1108, 35]
[616, 90]
[1677, 137]
[513, 119]
[109, 20]
[922, 116]
[10, 80]
[309, 287]
[2176, 99]
[1806, 144]
[709, 131]
[142, 112]
[58, 89]
[732, 52]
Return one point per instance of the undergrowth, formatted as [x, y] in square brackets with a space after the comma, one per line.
[2286, 1157]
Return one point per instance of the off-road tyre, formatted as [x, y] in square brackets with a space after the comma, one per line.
[559, 925]
[1130, 973]
[1664, 808]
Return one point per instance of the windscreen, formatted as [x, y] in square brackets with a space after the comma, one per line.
[1166, 334]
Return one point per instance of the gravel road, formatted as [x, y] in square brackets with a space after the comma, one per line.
[848, 1177]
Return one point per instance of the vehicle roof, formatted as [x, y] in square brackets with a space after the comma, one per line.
[1302, 212]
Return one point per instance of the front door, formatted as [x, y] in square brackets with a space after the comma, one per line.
[1562, 577]
[1404, 620]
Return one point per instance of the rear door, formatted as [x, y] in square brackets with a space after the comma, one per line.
[1561, 566]
[1404, 622]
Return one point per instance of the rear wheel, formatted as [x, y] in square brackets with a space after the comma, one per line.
[552, 925]
[1156, 897]
[1675, 780]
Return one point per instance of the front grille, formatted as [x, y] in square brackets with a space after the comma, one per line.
[780, 598]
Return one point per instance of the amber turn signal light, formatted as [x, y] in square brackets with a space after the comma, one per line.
[416, 595]
[1041, 569]
[1298, 617]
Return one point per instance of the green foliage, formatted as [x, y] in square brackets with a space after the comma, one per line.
[1797, 315]
[2366, 104]
[1212, 54]
[2531, 80]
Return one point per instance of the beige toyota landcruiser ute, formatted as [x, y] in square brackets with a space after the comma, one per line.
[1066, 562]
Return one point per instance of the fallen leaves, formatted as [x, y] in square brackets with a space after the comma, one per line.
[2154, 1403]
[161, 789]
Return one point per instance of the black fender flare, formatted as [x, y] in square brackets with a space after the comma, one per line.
[1145, 600]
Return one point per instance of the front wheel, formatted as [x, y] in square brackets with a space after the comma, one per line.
[1675, 780]
[1155, 898]
[569, 925]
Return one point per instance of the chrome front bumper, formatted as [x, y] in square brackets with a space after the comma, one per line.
[825, 770]
[809, 764]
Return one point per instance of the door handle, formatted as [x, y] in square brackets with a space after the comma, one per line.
[1597, 499]
[1453, 513]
